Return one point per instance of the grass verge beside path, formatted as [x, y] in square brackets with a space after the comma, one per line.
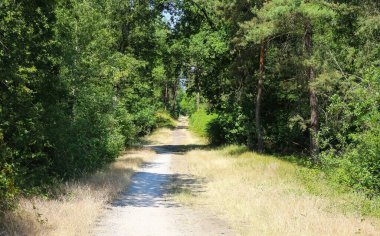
[264, 195]
[79, 204]
[75, 210]
[160, 136]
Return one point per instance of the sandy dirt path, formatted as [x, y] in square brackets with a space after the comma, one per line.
[145, 207]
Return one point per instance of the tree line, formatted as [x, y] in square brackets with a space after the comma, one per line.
[291, 77]
[81, 80]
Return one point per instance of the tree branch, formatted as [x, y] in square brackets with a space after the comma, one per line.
[205, 14]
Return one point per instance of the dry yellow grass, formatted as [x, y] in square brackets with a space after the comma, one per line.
[80, 204]
[262, 195]
[160, 136]
[164, 136]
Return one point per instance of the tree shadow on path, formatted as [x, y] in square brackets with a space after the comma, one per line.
[151, 189]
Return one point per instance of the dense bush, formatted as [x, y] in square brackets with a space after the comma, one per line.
[228, 128]
[75, 89]
[187, 103]
[82, 79]
[219, 129]
[199, 121]
[164, 119]
[358, 164]
[296, 77]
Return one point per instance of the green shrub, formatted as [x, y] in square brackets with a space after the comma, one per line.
[8, 190]
[199, 122]
[359, 164]
[215, 132]
[227, 128]
[127, 127]
[163, 119]
[144, 120]
[219, 129]
[187, 104]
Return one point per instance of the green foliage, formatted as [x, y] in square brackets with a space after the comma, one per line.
[228, 127]
[319, 183]
[358, 165]
[164, 119]
[80, 80]
[188, 104]
[8, 190]
[344, 55]
[27, 69]
[199, 122]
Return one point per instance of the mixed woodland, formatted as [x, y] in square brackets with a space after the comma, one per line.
[81, 80]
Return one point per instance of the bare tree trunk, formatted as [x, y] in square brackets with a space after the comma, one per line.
[314, 149]
[259, 96]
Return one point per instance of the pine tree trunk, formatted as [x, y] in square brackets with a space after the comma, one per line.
[314, 149]
[259, 96]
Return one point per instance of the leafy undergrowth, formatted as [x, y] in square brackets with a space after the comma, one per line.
[199, 122]
[77, 205]
[164, 119]
[265, 195]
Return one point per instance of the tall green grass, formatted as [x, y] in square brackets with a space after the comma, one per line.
[199, 121]
[164, 120]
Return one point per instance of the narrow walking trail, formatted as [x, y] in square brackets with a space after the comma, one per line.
[145, 207]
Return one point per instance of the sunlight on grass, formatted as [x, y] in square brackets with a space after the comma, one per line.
[160, 136]
[263, 195]
[74, 211]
